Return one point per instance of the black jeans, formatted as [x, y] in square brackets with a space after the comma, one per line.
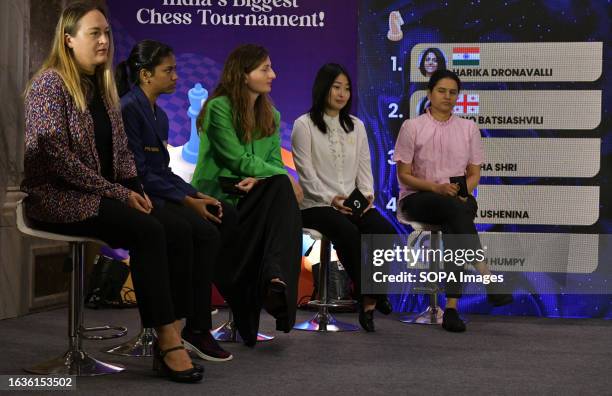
[455, 217]
[172, 252]
[344, 231]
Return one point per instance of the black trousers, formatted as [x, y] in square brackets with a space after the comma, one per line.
[195, 240]
[344, 231]
[172, 252]
[455, 217]
[267, 245]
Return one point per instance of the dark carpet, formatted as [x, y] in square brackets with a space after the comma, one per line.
[497, 355]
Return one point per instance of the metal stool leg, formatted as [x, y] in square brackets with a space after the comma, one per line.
[430, 316]
[227, 332]
[139, 346]
[323, 320]
[76, 361]
[433, 314]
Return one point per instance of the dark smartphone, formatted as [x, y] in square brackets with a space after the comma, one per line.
[357, 202]
[228, 185]
[462, 183]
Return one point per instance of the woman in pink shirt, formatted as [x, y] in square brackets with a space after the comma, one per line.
[431, 149]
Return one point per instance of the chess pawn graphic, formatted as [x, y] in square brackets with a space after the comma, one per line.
[395, 26]
[197, 96]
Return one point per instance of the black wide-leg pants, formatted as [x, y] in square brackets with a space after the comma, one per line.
[267, 245]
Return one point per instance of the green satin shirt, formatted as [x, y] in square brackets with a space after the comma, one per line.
[222, 152]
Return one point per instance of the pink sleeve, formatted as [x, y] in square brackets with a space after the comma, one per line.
[404, 146]
[477, 156]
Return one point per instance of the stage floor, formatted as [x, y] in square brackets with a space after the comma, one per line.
[497, 355]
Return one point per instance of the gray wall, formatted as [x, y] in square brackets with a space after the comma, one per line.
[26, 32]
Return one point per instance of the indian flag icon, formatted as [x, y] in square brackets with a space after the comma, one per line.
[466, 56]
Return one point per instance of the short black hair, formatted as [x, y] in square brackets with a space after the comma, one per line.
[439, 75]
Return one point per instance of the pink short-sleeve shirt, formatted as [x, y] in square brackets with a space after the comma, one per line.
[437, 150]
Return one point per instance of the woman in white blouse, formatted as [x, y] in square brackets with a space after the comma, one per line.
[332, 158]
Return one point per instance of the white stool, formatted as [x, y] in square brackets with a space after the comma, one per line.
[75, 361]
[433, 313]
[324, 321]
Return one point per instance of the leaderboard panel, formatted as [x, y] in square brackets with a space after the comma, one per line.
[533, 82]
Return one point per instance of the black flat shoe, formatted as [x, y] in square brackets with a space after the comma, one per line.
[282, 324]
[194, 374]
[366, 320]
[384, 306]
[451, 321]
[275, 303]
[275, 300]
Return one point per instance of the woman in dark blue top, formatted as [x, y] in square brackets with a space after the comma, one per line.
[196, 225]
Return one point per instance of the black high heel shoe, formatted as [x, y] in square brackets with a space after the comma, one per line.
[194, 374]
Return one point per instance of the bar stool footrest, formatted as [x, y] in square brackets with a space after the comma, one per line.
[120, 332]
[426, 290]
[332, 303]
[77, 363]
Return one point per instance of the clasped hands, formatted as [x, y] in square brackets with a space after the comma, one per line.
[449, 189]
[206, 206]
[338, 204]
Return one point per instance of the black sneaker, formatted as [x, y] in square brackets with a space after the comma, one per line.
[204, 346]
[451, 321]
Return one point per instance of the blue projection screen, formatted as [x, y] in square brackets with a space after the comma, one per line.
[533, 81]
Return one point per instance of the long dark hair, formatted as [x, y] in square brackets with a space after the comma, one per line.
[320, 92]
[145, 55]
[240, 62]
[439, 58]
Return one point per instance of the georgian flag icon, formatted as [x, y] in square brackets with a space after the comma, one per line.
[467, 104]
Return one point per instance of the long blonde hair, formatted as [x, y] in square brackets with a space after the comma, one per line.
[239, 63]
[61, 58]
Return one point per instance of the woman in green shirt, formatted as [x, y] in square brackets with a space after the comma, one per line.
[239, 160]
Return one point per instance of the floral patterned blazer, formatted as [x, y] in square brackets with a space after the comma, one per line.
[61, 164]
